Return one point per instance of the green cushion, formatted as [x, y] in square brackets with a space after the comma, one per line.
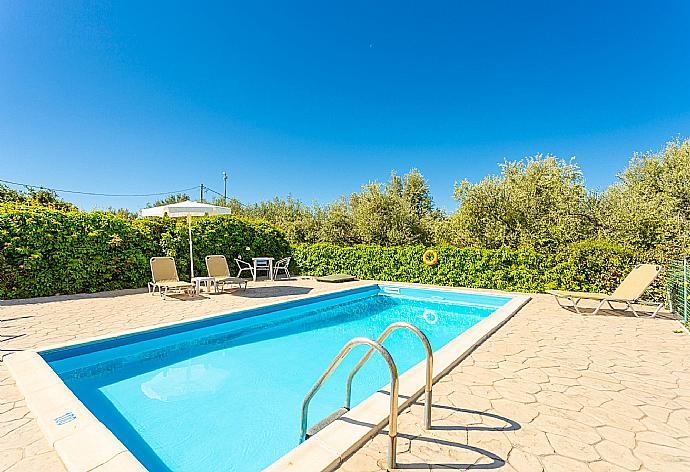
[337, 278]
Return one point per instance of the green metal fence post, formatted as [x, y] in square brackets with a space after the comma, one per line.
[685, 290]
[678, 288]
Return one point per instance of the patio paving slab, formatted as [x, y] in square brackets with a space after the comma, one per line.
[551, 390]
[574, 393]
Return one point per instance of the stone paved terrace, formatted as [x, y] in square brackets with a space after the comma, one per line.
[551, 390]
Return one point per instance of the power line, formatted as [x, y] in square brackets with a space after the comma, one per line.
[99, 194]
[211, 190]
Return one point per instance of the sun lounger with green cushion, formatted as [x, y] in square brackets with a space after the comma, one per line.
[217, 267]
[165, 279]
[628, 292]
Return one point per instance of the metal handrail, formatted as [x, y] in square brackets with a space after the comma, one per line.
[429, 366]
[393, 418]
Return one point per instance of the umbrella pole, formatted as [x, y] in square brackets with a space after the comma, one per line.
[191, 256]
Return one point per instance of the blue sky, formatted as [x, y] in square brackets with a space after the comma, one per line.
[315, 99]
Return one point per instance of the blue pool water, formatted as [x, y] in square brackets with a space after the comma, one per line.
[226, 393]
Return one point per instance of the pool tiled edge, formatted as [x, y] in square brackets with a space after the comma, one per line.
[208, 319]
[335, 443]
[84, 443]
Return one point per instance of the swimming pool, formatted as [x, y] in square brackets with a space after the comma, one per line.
[225, 393]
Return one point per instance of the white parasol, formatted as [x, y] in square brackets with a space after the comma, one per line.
[187, 210]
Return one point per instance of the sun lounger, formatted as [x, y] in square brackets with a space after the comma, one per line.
[217, 267]
[628, 292]
[165, 279]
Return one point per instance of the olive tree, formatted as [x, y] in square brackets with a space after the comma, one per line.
[396, 213]
[649, 207]
[539, 201]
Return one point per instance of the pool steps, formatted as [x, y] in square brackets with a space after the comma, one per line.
[393, 415]
[326, 421]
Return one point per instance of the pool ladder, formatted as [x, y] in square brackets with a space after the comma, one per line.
[393, 415]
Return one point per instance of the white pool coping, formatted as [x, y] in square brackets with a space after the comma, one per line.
[84, 444]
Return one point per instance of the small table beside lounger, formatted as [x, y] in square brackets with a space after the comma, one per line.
[205, 281]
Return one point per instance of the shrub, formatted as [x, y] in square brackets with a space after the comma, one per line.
[46, 252]
[590, 266]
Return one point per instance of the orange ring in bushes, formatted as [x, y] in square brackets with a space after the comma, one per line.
[430, 257]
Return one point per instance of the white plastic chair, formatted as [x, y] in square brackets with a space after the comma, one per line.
[244, 265]
[283, 265]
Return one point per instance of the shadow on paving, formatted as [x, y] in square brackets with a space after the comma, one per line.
[270, 292]
[10, 337]
[7, 352]
[181, 297]
[589, 311]
[496, 460]
[5, 320]
[511, 425]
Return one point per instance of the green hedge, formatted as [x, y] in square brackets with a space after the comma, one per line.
[592, 266]
[48, 252]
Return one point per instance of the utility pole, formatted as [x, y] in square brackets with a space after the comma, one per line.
[202, 193]
[225, 187]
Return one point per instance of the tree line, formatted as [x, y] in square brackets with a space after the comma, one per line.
[539, 202]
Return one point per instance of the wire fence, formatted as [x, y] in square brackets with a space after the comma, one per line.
[678, 286]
